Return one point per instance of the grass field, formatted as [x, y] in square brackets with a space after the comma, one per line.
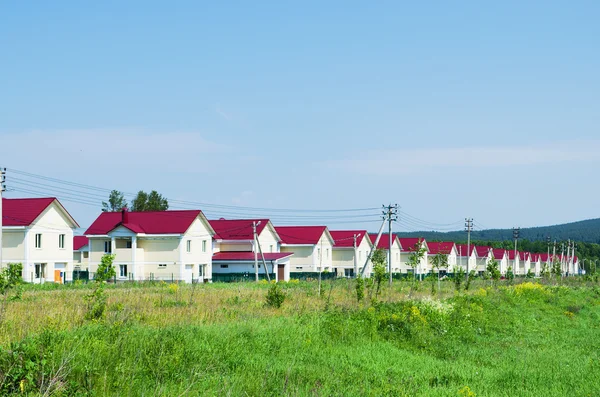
[222, 339]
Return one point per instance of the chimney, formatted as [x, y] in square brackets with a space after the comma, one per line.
[124, 215]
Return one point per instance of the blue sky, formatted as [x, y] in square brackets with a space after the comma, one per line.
[451, 110]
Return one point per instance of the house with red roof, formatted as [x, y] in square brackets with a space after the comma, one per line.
[240, 256]
[312, 247]
[158, 245]
[467, 255]
[408, 246]
[384, 244]
[483, 255]
[514, 261]
[38, 233]
[350, 251]
[536, 264]
[81, 252]
[447, 248]
[501, 257]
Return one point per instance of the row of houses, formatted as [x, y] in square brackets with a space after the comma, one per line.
[185, 245]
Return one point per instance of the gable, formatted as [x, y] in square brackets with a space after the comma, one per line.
[54, 216]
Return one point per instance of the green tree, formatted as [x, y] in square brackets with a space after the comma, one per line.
[510, 275]
[10, 277]
[116, 202]
[458, 277]
[106, 270]
[416, 256]
[149, 202]
[379, 271]
[439, 261]
[493, 270]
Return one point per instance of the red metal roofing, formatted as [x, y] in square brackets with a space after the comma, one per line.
[384, 240]
[300, 234]
[246, 256]
[498, 253]
[408, 244]
[482, 251]
[511, 255]
[345, 238]
[462, 249]
[237, 229]
[151, 222]
[23, 211]
[444, 247]
[79, 241]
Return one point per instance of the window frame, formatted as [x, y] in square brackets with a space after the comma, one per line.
[108, 247]
[188, 246]
[203, 245]
[121, 267]
[61, 241]
[38, 240]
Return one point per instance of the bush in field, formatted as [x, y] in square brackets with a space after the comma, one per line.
[10, 278]
[275, 296]
[458, 277]
[360, 288]
[470, 278]
[494, 272]
[96, 300]
[530, 274]
[510, 275]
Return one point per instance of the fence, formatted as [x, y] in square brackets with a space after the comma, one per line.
[308, 276]
[239, 277]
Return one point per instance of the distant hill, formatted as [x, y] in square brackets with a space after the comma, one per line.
[583, 231]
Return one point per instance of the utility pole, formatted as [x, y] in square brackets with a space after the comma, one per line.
[355, 237]
[2, 190]
[568, 259]
[391, 213]
[468, 229]
[254, 224]
[516, 232]
[548, 257]
[562, 258]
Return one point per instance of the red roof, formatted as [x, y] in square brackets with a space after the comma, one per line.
[409, 243]
[498, 253]
[23, 211]
[237, 229]
[150, 222]
[300, 234]
[511, 255]
[79, 241]
[482, 251]
[247, 256]
[384, 240]
[345, 238]
[462, 249]
[444, 247]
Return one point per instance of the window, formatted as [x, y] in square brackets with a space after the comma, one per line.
[318, 252]
[327, 253]
[122, 270]
[86, 255]
[61, 241]
[38, 240]
[203, 245]
[189, 246]
[271, 246]
[128, 244]
[40, 270]
[298, 267]
[107, 247]
[162, 265]
[224, 266]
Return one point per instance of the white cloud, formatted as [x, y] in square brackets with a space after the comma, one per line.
[408, 161]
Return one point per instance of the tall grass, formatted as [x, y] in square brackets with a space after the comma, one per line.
[222, 339]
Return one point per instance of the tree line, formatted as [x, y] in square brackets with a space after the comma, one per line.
[142, 201]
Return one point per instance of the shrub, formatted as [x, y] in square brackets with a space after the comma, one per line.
[458, 277]
[360, 288]
[275, 296]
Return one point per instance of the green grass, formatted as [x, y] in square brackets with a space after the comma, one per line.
[527, 340]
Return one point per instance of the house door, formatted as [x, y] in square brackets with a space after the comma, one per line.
[280, 272]
[40, 273]
[188, 273]
[59, 272]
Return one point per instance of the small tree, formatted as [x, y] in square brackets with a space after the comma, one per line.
[458, 277]
[360, 288]
[416, 256]
[546, 271]
[510, 275]
[10, 277]
[470, 277]
[116, 202]
[494, 272]
[557, 269]
[439, 261]
[275, 296]
[529, 274]
[106, 270]
[379, 271]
